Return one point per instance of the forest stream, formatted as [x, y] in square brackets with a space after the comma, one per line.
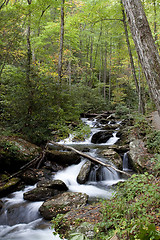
[20, 219]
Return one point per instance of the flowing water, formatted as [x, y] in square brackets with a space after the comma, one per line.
[20, 219]
[126, 163]
[101, 178]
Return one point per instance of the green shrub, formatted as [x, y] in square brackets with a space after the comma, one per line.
[134, 211]
[153, 142]
[142, 125]
[122, 110]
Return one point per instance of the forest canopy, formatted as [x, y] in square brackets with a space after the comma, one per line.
[59, 59]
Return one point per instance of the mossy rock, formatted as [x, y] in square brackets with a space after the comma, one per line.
[9, 186]
[80, 220]
[15, 152]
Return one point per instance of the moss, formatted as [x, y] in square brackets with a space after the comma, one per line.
[9, 186]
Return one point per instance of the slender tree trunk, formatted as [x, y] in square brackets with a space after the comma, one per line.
[155, 22]
[70, 67]
[100, 69]
[105, 71]
[4, 3]
[1, 70]
[141, 107]
[61, 42]
[109, 74]
[28, 65]
[100, 34]
[91, 63]
[145, 46]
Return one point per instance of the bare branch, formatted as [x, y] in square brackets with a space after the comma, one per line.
[108, 166]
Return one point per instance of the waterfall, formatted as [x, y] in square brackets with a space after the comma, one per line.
[69, 176]
[106, 176]
[125, 162]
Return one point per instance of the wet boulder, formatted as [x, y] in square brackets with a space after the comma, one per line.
[9, 186]
[62, 158]
[113, 156]
[101, 137]
[15, 152]
[53, 184]
[89, 215]
[139, 156]
[84, 172]
[32, 176]
[45, 190]
[110, 127]
[62, 203]
[40, 194]
[1, 204]
[53, 166]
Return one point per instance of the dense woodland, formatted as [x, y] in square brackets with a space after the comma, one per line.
[62, 58]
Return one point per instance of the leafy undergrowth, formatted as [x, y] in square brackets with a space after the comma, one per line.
[134, 211]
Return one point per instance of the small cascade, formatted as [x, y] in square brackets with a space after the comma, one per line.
[106, 176]
[69, 176]
[125, 162]
[20, 219]
[113, 139]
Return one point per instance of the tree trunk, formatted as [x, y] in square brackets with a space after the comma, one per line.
[105, 71]
[155, 21]
[145, 46]
[28, 65]
[97, 45]
[141, 107]
[61, 42]
[109, 73]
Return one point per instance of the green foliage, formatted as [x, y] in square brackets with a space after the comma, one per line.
[9, 147]
[153, 142]
[56, 222]
[142, 125]
[147, 232]
[156, 164]
[78, 236]
[81, 132]
[134, 211]
[89, 99]
[122, 110]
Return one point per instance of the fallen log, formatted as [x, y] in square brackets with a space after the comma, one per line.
[108, 166]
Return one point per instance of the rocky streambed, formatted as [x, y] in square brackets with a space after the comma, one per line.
[67, 183]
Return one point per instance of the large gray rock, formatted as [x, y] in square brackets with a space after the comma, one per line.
[32, 176]
[9, 186]
[15, 152]
[62, 203]
[62, 158]
[45, 190]
[89, 216]
[53, 184]
[1, 204]
[139, 156]
[110, 126]
[101, 137]
[40, 194]
[84, 172]
[113, 156]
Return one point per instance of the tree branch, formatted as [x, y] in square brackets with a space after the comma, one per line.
[108, 166]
